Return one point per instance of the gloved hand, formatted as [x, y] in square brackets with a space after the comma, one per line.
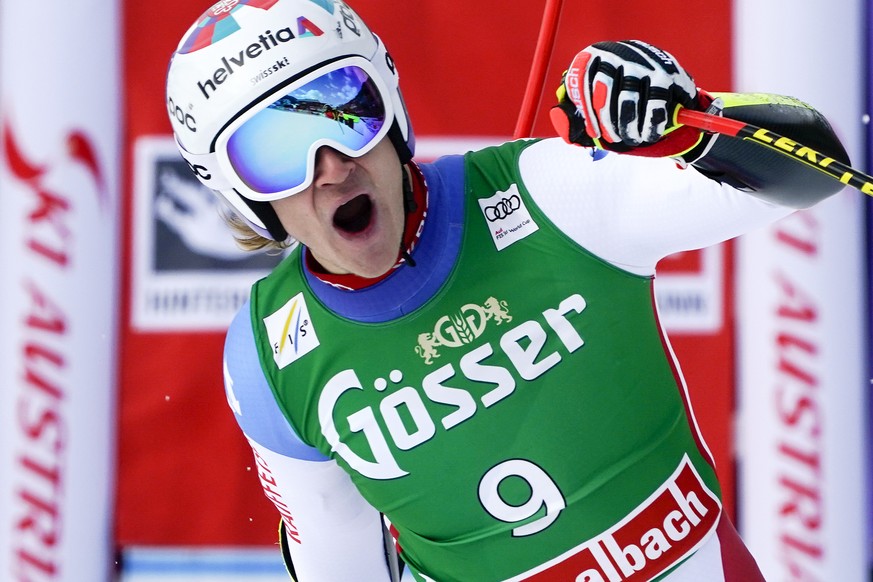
[623, 97]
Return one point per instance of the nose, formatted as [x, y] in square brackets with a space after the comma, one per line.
[331, 167]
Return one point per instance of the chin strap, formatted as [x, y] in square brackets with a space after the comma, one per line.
[409, 206]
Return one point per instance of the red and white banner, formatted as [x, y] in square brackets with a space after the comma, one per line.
[801, 315]
[59, 119]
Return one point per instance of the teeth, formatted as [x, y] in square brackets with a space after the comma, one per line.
[354, 215]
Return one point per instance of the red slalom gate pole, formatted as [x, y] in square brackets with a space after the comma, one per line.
[537, 78]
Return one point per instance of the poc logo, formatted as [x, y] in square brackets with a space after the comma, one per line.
[200, 171]
[349, 19]
[181, 117]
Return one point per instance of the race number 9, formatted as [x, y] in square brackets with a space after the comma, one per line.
[543, 493]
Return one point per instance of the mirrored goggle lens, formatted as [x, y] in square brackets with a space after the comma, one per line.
[269, 151]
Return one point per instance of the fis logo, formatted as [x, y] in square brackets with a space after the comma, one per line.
[291, 332]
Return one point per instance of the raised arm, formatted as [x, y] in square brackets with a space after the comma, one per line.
[624, 97]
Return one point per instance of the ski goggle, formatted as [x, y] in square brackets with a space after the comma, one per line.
[269, 151]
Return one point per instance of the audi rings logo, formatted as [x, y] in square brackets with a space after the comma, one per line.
[503, 208]
[507, 217]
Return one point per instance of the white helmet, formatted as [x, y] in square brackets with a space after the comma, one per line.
[246, 98]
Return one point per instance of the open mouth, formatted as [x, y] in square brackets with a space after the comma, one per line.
[355, 215]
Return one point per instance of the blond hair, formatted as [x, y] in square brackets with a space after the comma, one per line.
[247, 239]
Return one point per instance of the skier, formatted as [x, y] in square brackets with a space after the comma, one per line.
[458, 373]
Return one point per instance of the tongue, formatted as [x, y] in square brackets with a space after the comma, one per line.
[354, 216]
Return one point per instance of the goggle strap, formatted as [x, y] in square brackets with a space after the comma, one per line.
[267, 214]
[206, 168]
